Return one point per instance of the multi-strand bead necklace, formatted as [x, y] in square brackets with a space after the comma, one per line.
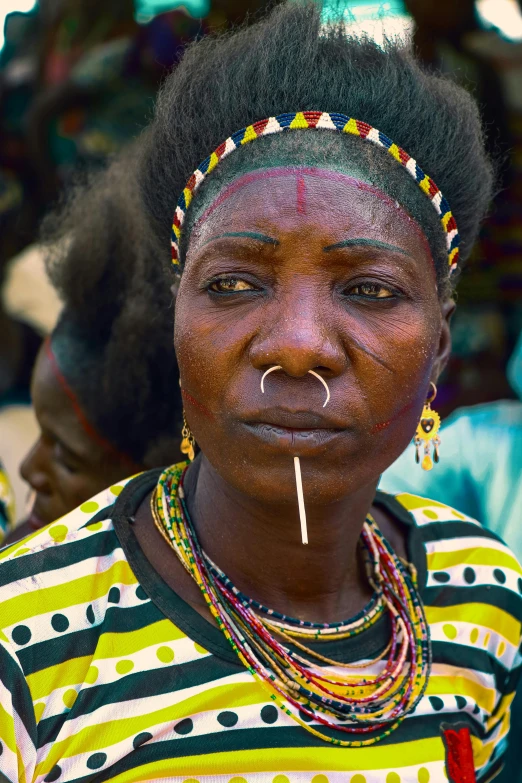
[306, 685]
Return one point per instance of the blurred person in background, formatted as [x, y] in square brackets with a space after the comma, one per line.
[106, 400]
[6, 505]
[77, 82]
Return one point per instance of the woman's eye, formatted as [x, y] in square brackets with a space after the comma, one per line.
[230, 285]
[372, 290]
[62, 458]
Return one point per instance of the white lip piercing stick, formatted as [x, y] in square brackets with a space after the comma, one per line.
[300, 500]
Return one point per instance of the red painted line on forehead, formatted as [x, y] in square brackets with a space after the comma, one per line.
[80, 415]
[189, 398]
[314, 171]
[301, 195]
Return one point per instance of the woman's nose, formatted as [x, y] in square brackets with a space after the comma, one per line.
[33, 469]
[299, 339]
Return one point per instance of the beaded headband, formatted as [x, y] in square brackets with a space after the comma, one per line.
[318, 120]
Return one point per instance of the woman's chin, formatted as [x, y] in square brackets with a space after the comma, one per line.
[328, 475]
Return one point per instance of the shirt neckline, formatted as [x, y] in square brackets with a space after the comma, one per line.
[201, 631]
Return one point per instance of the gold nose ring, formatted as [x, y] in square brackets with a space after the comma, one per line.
[315, 374]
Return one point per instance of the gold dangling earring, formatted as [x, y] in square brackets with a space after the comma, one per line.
[427, 432]
[188, 442]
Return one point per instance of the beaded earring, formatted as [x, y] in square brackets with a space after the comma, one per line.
[188, 441]
[427, 433]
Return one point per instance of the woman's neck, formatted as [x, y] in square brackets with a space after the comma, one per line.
[259, 547]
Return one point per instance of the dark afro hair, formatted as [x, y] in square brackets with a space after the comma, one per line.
[114, 339]
[291, 62]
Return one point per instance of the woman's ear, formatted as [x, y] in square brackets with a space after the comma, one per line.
[447, 309]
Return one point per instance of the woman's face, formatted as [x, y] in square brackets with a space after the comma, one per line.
[65, 467]
[311, 270]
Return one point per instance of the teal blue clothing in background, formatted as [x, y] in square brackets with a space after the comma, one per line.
[480, 468]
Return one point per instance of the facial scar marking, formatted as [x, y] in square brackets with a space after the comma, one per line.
[189, 398]
[374, 356]
[301, 195]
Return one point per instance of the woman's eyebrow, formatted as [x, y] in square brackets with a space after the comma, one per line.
[363, 241]
[249, 234]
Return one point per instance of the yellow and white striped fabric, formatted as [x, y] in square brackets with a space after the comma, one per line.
[107, 675]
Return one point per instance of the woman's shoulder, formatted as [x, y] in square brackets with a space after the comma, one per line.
[6, 504]
[50, 563]
[77, 525]
[473, 588]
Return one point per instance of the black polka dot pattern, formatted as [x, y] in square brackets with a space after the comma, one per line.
[114, 595]
[469, 575]
[141, 739]
[184, 726]
[461, 702]
[519, 585]
[59, 622]
[97, 760]
[269, 714]
[499, 576]
[1, 748]
[441, 576]
[306, 718]
[476, 709]
[90, 614]
[141, 594]
[21, 635]
[54, 774]
[436, 703]
[227, 719]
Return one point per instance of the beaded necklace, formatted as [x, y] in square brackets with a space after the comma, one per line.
[269, 643]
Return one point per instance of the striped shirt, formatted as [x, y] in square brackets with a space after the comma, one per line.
[107, 675]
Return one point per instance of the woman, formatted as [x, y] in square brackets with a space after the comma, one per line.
[106, 401]
[186, 633]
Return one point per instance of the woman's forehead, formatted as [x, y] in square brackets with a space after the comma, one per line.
[286, 197]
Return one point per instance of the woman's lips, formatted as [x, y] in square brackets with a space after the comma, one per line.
[298, 441]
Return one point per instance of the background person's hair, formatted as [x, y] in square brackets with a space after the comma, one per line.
[114, 339]
[290, 62]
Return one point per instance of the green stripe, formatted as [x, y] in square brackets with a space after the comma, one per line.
[13, 680]
[40, 656]
[441, 531]
[205, 672]
[487, 595]
[463, 657]
[279, 743]
[55, 557]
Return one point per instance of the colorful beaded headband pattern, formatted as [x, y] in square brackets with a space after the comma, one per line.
[318, 120]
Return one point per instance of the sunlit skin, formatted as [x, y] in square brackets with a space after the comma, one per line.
[65, 467]
[310, 270]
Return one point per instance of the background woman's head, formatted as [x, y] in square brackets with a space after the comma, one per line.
[105, 387]
[293, 306]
